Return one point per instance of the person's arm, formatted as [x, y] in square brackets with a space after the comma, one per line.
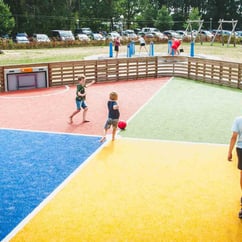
[231, 145]
[79, 94]
[115, 106]
[90, 83]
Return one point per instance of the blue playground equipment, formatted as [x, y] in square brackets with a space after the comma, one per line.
[192, 49]
[129, 50]
[152, 49]
[110, 49]
[132, 45]
[169, 48]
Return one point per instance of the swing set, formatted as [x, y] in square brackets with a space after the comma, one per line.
[191, 30]
[220, 30]
[194, 36]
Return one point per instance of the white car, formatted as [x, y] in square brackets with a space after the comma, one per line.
[41, 38]
[82, 37]
[97, 36]
[113, 35]
[22, 40]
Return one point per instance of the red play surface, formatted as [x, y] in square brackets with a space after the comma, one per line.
[49, 109]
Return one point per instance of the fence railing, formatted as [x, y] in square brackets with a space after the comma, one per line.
[107, 70]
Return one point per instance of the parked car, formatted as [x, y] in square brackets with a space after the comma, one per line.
[183, 33]
[149, 35]
[149, 29]
[40, 38]
[186, 36]
[62, 35]
[239, 33]
[159, 35]
[21, 38]
[83, 37]
[172, 33]
[129, 34]
[221, 32]
[86, 31]
[4, 36]
[96, 36]
[113, 35]
[207, 35]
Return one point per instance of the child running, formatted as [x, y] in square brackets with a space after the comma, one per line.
[81, 99]
[113, 116]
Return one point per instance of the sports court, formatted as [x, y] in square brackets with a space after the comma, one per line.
[165, 178]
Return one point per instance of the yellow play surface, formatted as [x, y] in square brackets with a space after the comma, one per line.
[145, 190]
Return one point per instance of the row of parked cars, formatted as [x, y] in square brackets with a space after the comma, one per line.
[150, 33]
[86, 34]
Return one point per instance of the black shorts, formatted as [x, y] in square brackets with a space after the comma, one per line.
[116, 48]
[239, 154]
[143, 44]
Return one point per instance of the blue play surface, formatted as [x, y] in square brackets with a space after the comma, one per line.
[33, 165]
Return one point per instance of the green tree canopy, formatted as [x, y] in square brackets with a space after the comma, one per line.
[43, 15]
[164, 20]
[7, 21]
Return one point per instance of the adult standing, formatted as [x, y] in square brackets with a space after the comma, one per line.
[236, 139]
[142, 44]
[117, 44]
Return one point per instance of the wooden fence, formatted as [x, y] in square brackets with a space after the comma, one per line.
[107, 70]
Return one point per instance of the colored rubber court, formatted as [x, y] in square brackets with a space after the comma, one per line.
[165, 178]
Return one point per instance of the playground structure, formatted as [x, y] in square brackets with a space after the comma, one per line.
[220, 28]
[194, 36]
[190, 29]
[131, 49]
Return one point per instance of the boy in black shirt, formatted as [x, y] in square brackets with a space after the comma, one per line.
[113, 116]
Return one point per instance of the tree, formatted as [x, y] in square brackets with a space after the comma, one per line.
[7, 21]
[193, 16]
[164, 19]
[44, 15]
[147, 18]
[130, 9]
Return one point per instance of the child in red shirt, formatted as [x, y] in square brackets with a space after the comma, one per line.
[175, 46]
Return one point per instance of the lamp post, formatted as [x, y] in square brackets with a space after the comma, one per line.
[211, 24]
[122, 22]
[77, 23]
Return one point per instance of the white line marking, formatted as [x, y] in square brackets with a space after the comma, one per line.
[36, 96]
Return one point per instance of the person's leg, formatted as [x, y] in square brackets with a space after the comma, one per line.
[85, 108]
[104, 136]
[72, 115]
[240, 213]
[113, 133]
[239, 155]
[241, 179]
[78, 109]
[106, 127]
[84, 114]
